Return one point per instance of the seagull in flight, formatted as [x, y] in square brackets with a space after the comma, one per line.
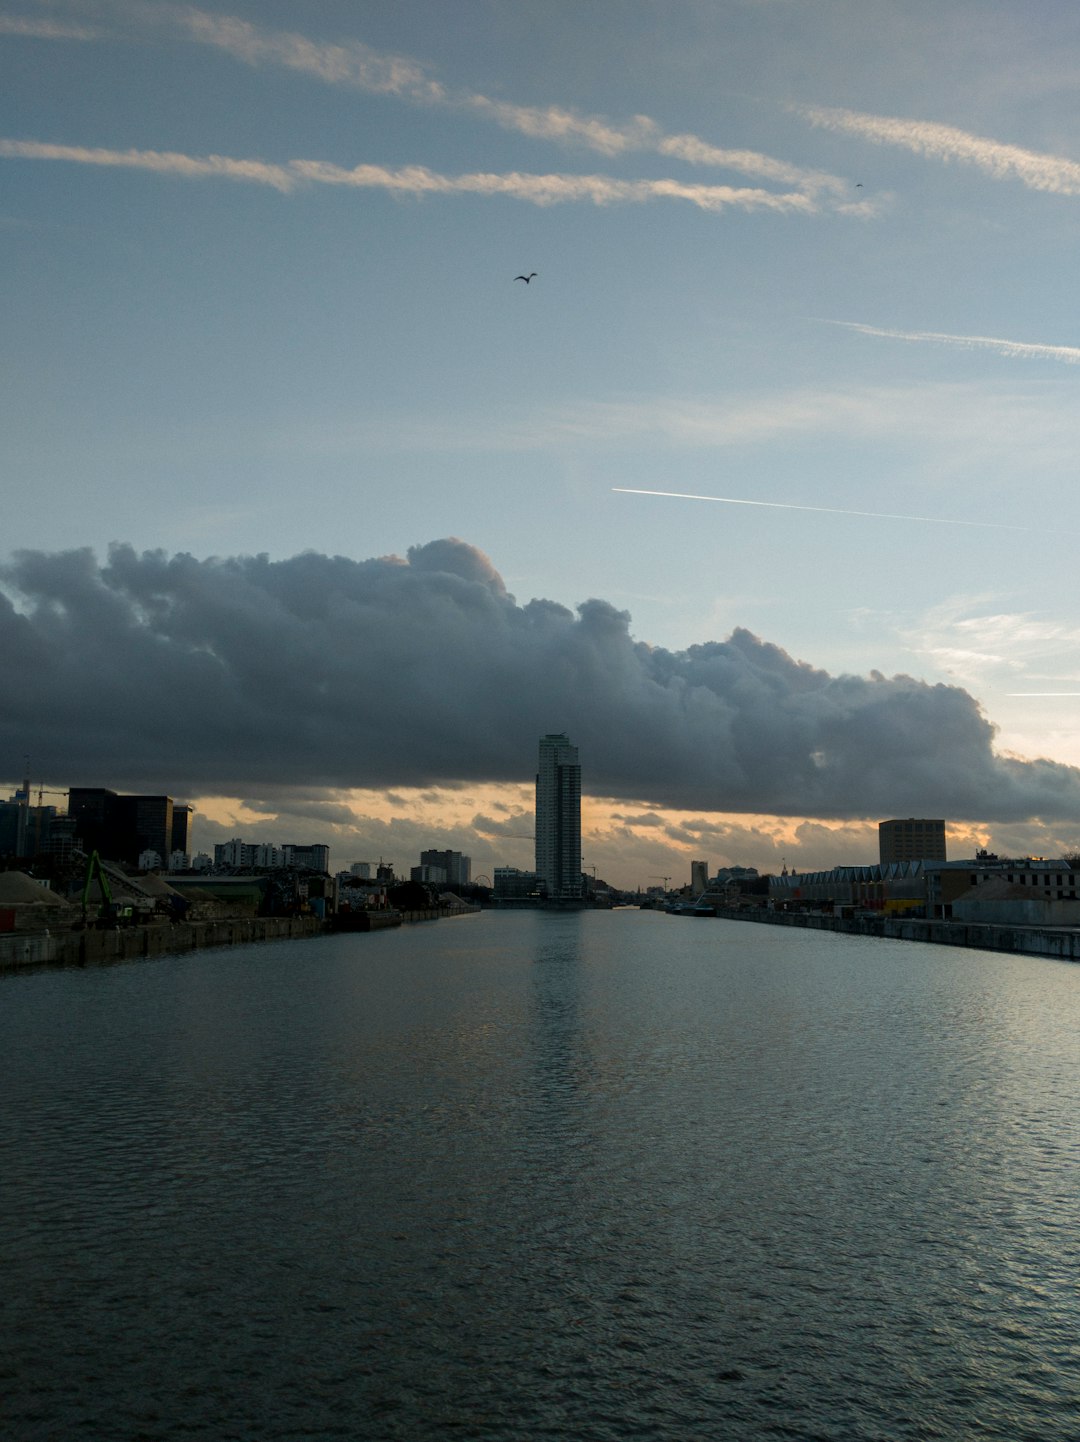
[527, 278]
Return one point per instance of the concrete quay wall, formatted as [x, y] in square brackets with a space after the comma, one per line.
[99, 948]
[1060, 944]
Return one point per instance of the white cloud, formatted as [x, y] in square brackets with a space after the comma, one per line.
[1035, 169]
[415, 180]
[985, 649]
[37, 29]
[1015, 349]
[162, 162]
[351, 63]
[335, 64]
[552, 189]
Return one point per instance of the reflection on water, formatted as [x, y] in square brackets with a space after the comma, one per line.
[611, 1176]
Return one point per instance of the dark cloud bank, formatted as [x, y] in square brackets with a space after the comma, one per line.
[210, 675]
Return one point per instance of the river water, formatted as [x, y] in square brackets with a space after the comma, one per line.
[595, 1176]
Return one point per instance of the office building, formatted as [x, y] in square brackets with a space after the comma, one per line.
[915, 839]
[558, 819]
[93, 810]
[514, 885]
[121, 828]
[428, 875]
[181, 828]
[458, 868]
[699, 877]
[313, 858]
[149, 826]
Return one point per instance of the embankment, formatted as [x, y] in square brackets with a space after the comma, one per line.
[1063, 944]
[96, 948]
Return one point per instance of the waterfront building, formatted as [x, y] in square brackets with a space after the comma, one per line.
[999, 889]
[699, 877]
[899, 886]
[514, 885]
[914, 839]
[558, 818]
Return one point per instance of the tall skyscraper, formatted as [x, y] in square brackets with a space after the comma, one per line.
[558, 819]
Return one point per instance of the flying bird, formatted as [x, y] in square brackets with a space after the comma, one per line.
[527, 278]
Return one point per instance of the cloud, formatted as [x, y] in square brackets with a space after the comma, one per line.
[162, 162]
[545, 190]
[1014, 349]
[1035, 169]
[335, 64]
[37, 29]
[354, 64]
[320, 671]
[414, 180]
[981, 647]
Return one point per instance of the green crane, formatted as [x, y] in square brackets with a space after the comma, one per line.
[107, 910]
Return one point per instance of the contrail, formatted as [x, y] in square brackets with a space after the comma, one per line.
[1015, 349]
[824, 510]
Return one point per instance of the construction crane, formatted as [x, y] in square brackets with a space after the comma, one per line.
[94, 869]
[664, 879]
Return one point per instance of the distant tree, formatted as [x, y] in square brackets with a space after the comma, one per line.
[1072, 860]
[411, 896]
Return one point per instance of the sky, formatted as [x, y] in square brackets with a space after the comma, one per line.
[762, 489]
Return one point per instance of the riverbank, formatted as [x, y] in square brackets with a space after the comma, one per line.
[99, 948]
[1061, 944]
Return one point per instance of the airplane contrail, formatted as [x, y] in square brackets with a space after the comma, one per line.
[824, 510]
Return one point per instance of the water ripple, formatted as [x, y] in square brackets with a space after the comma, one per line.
[604, 1176]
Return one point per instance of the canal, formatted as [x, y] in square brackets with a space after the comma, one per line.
[591, 1175]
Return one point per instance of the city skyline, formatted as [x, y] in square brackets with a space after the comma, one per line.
[810, 263]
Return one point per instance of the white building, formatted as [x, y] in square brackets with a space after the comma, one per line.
[428, 875]
[257, 855]
[558, 818]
